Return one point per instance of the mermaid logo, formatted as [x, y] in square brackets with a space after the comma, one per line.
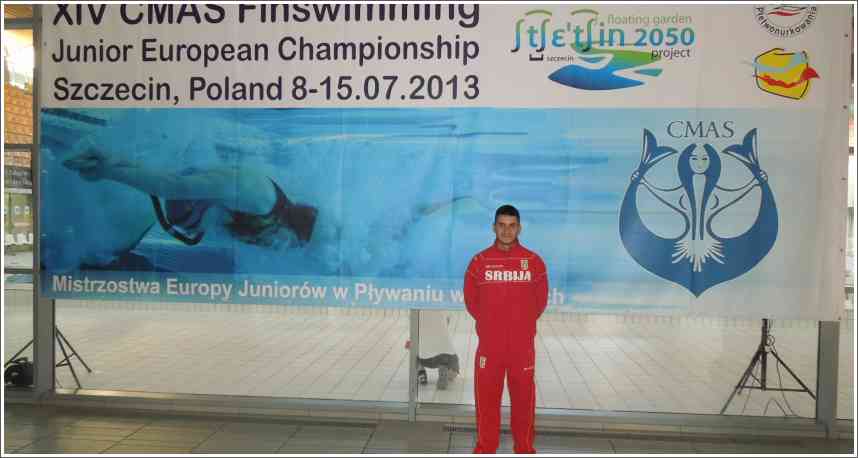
[724, 231]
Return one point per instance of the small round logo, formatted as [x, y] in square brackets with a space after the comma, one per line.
[785, 21]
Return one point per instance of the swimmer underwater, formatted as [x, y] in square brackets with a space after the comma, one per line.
[258, 210]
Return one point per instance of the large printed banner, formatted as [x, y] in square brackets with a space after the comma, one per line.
[665, 159]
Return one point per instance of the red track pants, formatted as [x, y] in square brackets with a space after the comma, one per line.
[490, 368]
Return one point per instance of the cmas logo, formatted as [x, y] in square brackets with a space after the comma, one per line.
[785, 21]
[602, 52]
[700, 216]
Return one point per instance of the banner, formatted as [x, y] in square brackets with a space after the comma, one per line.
[665, 159]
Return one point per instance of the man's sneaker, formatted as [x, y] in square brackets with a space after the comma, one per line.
[421, 377]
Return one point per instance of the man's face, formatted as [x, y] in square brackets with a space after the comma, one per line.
[507, 229]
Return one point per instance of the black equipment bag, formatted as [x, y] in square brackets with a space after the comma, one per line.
[19, 372]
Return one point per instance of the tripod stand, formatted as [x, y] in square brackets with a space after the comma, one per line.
[761, 358]
[66, 361]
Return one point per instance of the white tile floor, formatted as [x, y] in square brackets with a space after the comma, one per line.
[657, 364]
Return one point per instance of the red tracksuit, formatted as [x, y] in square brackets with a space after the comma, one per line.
[505, 292]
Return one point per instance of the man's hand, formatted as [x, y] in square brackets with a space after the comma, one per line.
[93, 164]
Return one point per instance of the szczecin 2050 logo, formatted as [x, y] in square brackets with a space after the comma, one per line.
[603, 52]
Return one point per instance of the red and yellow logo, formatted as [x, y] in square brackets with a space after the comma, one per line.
[782, 73]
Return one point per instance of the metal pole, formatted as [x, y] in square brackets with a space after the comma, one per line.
[764, 342]
[15, 356]
[43, 309]
[71, 348]
[414, 337]
[67, 361]
[828, 352]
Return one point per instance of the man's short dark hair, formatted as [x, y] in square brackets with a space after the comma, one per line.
[508, 210]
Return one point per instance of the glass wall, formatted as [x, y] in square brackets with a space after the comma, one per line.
[18, 139]
[18, 252]
[640, 363]
[846, 382]
[248, 350]
[17, 319]
[18, 234]
[18, 210]
[846, 367]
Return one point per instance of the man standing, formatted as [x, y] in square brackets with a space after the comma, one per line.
[506, 291]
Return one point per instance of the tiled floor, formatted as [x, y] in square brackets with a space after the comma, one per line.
[34, 429]
[607, 363]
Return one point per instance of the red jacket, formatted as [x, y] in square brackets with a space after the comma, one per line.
[506, 292]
